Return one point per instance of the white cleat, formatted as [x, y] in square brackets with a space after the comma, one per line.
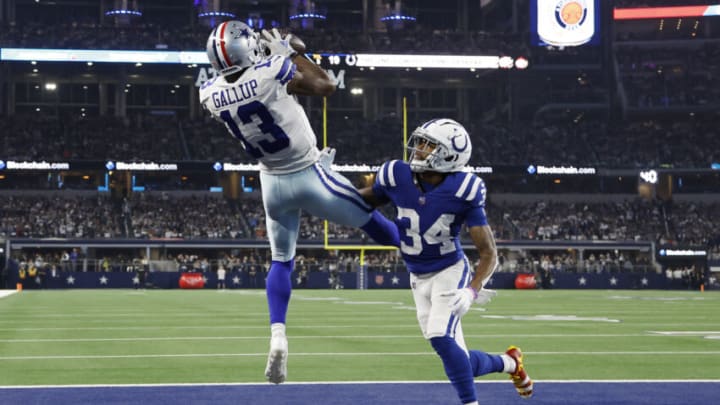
[276, 370]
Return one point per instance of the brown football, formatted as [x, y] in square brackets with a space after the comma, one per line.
[295, 41]
[297, 44]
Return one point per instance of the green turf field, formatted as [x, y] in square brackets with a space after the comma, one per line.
[176, 336]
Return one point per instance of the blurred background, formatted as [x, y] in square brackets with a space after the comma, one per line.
[593, 124]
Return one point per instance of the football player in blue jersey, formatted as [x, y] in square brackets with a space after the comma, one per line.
[254, 96]
[434, 198]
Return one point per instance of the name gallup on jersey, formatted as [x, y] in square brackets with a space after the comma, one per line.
[235, 94]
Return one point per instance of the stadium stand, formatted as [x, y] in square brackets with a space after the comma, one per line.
[640, 100]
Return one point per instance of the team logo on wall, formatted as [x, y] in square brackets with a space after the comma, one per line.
[566, 22]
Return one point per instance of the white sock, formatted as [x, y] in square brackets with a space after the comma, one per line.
[472, 403]
[509, 364]
[277, 329]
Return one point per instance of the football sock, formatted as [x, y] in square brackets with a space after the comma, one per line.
[509, 364]
[457, 367]
[484, 363]
[277, 329]
[278, 288]
[382, 230]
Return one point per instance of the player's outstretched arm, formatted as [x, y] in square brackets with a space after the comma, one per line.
[310, 79]
[371, 198]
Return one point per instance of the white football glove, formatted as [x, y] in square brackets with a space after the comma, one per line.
[327, 157]
[277, 45]
[461, 299]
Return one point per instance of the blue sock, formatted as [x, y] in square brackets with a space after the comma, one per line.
[484, 363]
[457, 367]
[278, 288]
[382, 230]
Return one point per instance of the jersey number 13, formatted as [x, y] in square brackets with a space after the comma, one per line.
[267, 125]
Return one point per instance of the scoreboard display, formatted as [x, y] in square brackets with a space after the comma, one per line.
[565, 23]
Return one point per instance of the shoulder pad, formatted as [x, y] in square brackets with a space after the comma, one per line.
[472, 189]
[276, 67]
[390, 172]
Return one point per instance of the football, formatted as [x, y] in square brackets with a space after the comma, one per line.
[295, 41]
[297, 44]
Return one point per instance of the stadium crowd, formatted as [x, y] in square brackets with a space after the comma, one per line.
[687, 143]
[203, 217]
[650, 78]
[671, 76]
[166, 35]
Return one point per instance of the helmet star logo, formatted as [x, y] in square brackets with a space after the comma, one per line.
[245, 33]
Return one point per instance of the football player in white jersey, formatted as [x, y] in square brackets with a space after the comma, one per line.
[434, 198]
[254, 96]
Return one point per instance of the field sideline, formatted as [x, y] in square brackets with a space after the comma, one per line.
[111, 337]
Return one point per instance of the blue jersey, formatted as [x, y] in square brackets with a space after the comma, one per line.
[429, 222]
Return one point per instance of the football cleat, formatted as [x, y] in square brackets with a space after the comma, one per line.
[522, 381]
[276, 369]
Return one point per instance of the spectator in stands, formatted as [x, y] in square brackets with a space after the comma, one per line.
[221, 277]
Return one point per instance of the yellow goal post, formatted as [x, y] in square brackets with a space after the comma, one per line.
[361, 248]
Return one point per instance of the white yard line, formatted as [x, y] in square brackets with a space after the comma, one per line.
[293, 337]
[206, 327]
[230, 384]
[346, 354]
[7, 293]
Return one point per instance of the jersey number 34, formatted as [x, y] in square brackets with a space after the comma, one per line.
[437, 234]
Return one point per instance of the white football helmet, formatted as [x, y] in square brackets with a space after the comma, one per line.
[448, 141]
[232, 46]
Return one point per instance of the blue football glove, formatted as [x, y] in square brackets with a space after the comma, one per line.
[461, 299]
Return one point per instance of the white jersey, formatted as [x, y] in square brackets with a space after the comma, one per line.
[259, 112]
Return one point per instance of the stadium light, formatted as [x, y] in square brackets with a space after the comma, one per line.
[192, 59]
[209, 12]
[216, 14]
[308, 16]
[398, 17]
[124, 11]
[50, 86]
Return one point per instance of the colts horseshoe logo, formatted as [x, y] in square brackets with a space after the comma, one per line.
[458, 148]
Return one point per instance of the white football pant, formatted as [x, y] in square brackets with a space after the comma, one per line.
[318, 190]
[433, 312]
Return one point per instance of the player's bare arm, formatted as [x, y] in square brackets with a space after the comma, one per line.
[371, 198]
[310, 79]
[482, 237]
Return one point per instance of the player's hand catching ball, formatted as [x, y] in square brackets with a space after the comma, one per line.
[277, 44]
